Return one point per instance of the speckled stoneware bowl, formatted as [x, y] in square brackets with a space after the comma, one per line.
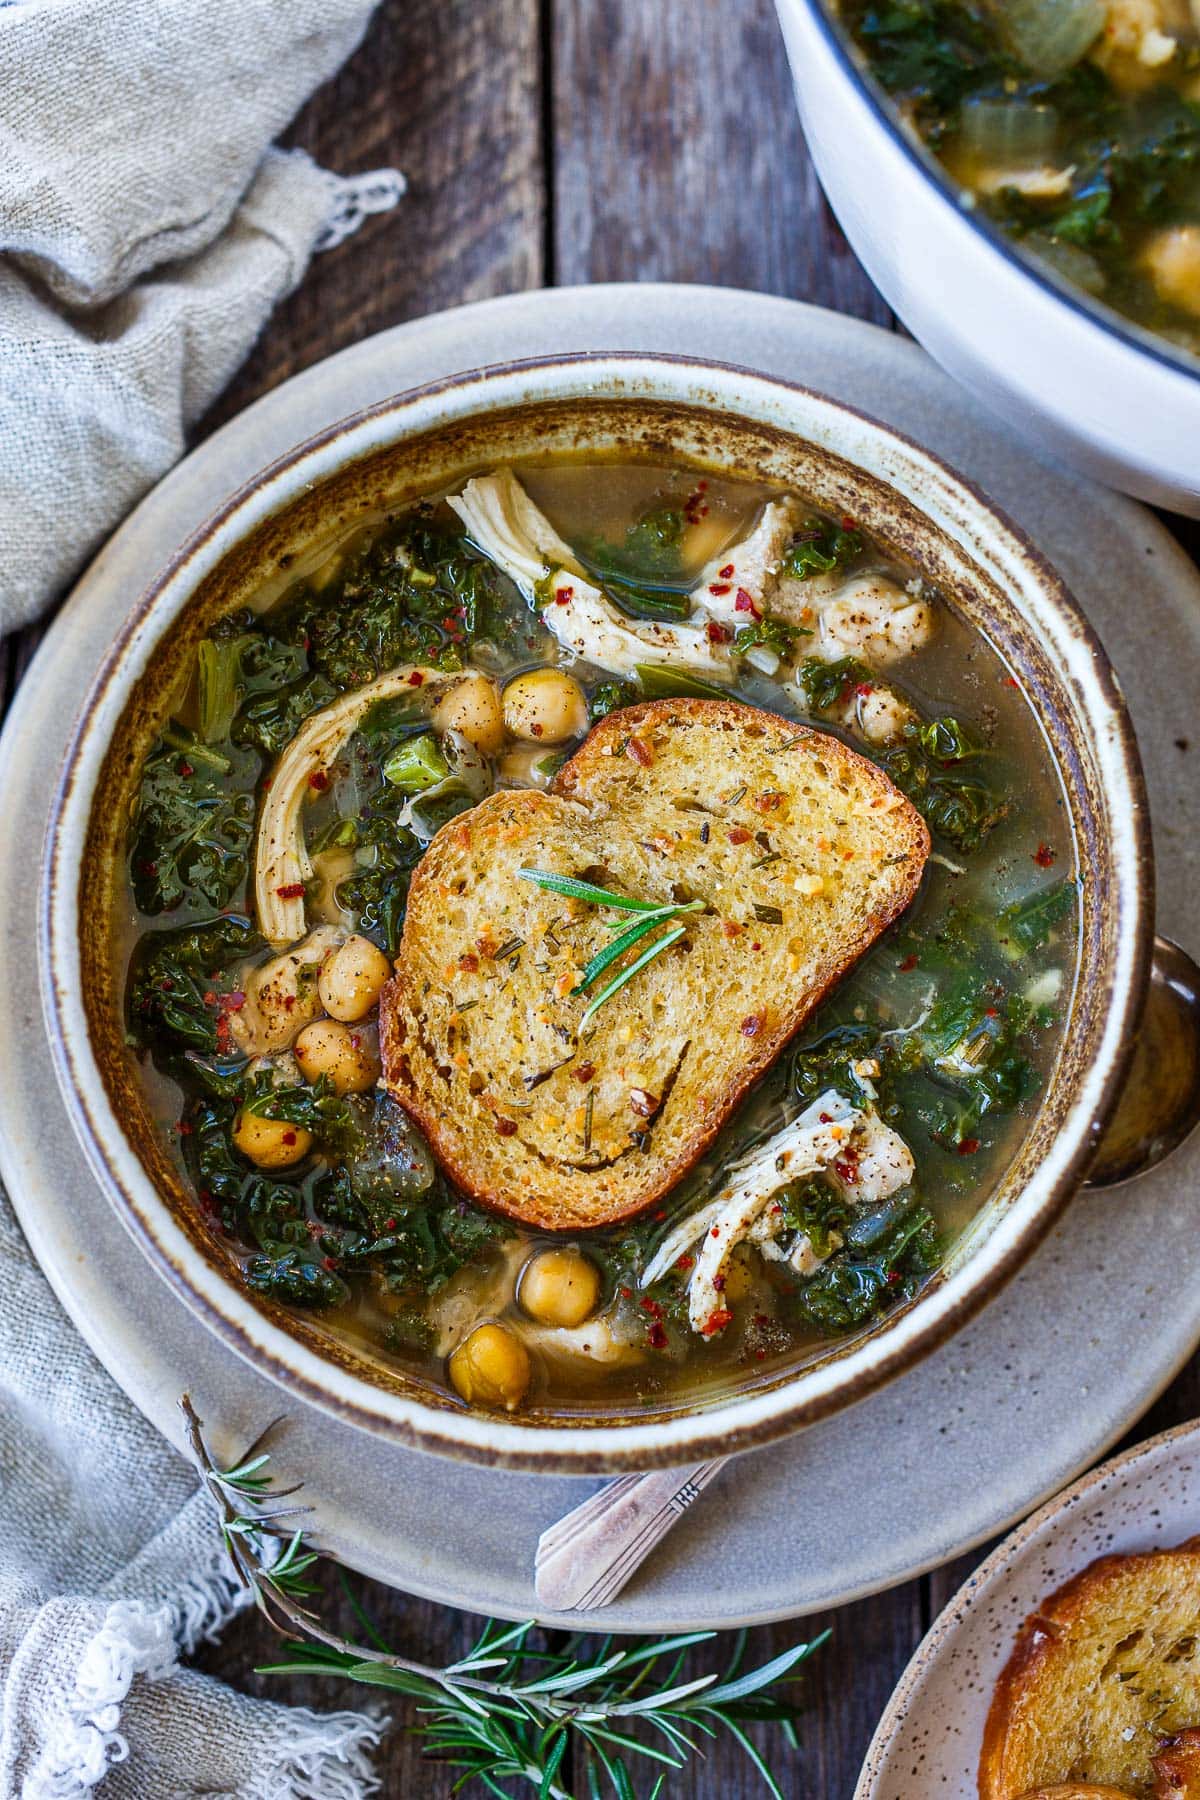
[930, 1738]
[713, 417]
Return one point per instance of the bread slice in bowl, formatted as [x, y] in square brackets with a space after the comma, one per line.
[792, 852]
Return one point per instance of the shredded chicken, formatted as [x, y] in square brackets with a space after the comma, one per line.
[736, 585]
[850, 1145]
[504, 523]
[1139, 37]
[281, 995]
[282, 865]
[1040, 183]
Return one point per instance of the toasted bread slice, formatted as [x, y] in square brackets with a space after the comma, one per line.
[802, 852]
[1101, 1673]
[1076, 1790]
[1177, 1767]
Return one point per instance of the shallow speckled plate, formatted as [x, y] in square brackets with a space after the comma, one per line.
[953, 1452]
[929, 1739]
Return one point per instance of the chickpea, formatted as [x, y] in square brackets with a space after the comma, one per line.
[348, 1058]
[491, 1367]
[1172, 260]
[528, 765]
[352, 979]
[546, 706]
[559, 1287]
[472, 706]
[270, 1143]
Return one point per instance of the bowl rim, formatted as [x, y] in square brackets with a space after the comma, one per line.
[1090, 311]
[729, 1425]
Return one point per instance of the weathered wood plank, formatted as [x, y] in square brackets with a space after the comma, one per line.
[448, 91]
[678, 154]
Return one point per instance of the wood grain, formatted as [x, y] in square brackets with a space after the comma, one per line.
[678, 155]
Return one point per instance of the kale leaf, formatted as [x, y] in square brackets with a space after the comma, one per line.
[945, 774]
[886, 1259]
[191, 832]
[819, 546]
[175, 978]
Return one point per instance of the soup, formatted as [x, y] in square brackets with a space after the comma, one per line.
[323, 740]
[1072, 125]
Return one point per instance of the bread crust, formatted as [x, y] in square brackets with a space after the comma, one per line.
[1032, 1681]
[590, 787]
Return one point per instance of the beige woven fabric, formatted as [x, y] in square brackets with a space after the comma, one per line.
[146, 231]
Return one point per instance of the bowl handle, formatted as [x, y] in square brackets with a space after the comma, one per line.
[1160, 1103]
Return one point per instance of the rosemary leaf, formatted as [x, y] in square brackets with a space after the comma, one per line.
[647, 956]
[630, 936]
[572, 889]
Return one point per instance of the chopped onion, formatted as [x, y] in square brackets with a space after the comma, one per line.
[1012, 134]
[1050, 36]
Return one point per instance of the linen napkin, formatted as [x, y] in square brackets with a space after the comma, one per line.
[110, 1567]
[146, 231]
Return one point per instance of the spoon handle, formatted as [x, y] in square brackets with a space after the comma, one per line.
[585, 1559]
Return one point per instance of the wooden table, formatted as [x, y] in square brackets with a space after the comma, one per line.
[559, 141]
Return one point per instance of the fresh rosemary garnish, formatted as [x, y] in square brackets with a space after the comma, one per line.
[512, 1712]
[632, 935]
[647, 956]
[572, 889]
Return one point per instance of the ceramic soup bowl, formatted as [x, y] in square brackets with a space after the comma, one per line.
[1107, 396]
[635, 407]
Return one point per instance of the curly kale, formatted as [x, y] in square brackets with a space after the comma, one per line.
[175, 980]
[888, 1256]
[950, 778]
[191, 830]
[821, 545]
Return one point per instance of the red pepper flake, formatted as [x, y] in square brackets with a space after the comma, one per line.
[506, 1127]
[716, 1321]
[233, 1002]
[752, 1025]
[416, 679]
[1044, 856]
[389, 1224]
[825, 1118]
[327, 1262]
[289, 1137]
[643, 1102]
[1011, 681]
[863, 689]
[185, 768]
[739, 835]
[715, 1232]
[627, 1293]
[910, 962]
[745, 603]
[292, 890]
[653, 1307]
[756, 946]
[731, 928]
[991, 1012]
[847, 1167]
[289, 1001]
[468, 963]
[186, 1128]
[148, 868]
[719, 588]
[717, 634]
[719, 1283]
[685, 1262]
[639, 752]
[968, 1146]
[893, 1277]
[766, 802]
[584, 1072]
[656, 1337]
[848, 524]
[319, 780]
[726, 573]
[564, 596]
[660, 1214]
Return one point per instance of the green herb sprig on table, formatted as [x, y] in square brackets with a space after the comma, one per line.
[510, 1714]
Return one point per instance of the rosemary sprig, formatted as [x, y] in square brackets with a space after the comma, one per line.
[507, 1712]
[572, 889]
[656, 949]
[633, 934]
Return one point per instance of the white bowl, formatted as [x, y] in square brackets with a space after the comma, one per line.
[1116, 402]
[714, 416]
